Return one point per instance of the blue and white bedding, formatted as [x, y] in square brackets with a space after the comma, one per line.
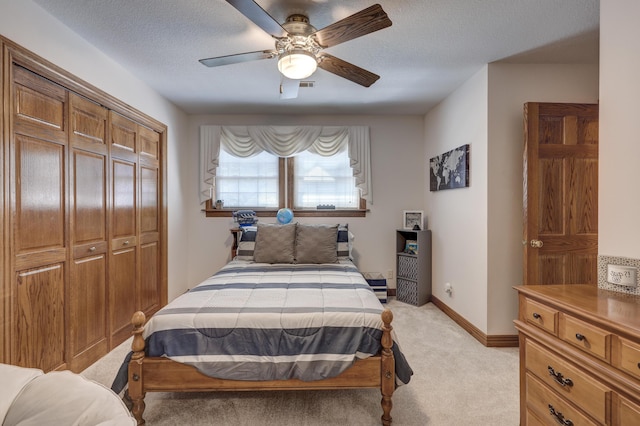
[258, 321]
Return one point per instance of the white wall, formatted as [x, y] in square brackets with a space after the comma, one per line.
[478, 230]
[28, 25]
[458, 217]
[619, 204]
[398, 184]
[510, 86]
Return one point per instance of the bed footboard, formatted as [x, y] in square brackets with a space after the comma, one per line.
[169, 376]
[136, 385]
[387, 370]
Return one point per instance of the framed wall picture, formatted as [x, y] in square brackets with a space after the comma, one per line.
[450, 170]
[411, 218]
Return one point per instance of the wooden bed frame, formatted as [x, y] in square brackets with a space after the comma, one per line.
[158, 374]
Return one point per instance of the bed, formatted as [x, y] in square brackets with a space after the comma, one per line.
[290, 312]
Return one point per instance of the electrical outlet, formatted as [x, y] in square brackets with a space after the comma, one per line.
[448, 289]
[390, 274]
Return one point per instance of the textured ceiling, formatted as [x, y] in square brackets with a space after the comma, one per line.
[432, 47]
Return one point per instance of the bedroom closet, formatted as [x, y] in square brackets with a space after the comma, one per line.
[83, 216]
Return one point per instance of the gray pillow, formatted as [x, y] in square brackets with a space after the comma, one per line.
[316, 243]
[275, 243]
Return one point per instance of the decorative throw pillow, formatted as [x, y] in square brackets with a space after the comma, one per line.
[275, 243]
[316, 243]
[247, 243]
[345, 237]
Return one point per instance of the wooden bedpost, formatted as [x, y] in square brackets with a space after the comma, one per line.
[388, 370]
[136, 389]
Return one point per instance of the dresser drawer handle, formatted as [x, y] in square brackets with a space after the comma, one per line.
[558, 377]
[580, 337]
[559, 417]
[537, 315]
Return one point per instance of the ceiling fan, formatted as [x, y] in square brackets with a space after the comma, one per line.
[299, 46]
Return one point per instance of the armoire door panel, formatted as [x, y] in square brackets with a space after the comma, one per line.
[122, 293]
[39, 195]
[149, 217]
[89, 174]
[88, 310]
[124, 199]
[39, 318]
[149, 278]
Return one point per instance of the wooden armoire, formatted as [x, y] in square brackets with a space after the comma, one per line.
[83, 190]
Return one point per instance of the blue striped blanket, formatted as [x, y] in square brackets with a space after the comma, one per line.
[256, 321]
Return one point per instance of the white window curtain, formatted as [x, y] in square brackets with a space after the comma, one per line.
[284, 141]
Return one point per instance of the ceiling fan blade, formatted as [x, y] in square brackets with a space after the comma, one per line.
[259, 16]
[238, 58]
[366, 21]
[346, 70]
[289, 88]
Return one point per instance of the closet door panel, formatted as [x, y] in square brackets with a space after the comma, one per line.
[150, 283]
[149, 216]
[88, 311]
[39, 326]
[88, 297]
[38, 106]
[122, 293]
[124, 134]
[123, 278]
[124, 199]
[39, 195]
[149, 277]
[89, 197]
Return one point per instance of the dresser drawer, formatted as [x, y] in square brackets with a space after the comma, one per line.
[533, 419]
[551, 407]
[628, 413]
[585, 336]
[629, 357]
[541, 316]
[567, 380]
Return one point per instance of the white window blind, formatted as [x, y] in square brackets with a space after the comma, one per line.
[249, 181]
[324, 180]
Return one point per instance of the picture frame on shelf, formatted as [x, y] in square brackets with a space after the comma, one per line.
[411, 218]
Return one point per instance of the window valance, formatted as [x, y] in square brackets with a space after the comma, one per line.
[285, 141]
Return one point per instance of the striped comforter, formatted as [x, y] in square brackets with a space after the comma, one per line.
[255, 321]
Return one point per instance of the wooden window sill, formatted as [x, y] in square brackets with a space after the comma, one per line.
[296, 213]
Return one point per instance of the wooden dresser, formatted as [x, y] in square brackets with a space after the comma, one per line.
[579, 356]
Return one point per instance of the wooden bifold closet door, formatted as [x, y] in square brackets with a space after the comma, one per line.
[86, 220]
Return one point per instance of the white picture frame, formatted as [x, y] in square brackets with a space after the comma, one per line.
[410, 218]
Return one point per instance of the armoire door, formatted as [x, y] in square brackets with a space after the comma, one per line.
[123, 259]
[88, 175]
[38, 202]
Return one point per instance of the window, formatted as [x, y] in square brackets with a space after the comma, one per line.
[248, 182]
[319, 180]
[258, 183]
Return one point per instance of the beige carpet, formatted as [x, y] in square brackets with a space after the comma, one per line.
[456, 381]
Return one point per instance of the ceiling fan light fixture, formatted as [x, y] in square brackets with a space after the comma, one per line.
[297, 64]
